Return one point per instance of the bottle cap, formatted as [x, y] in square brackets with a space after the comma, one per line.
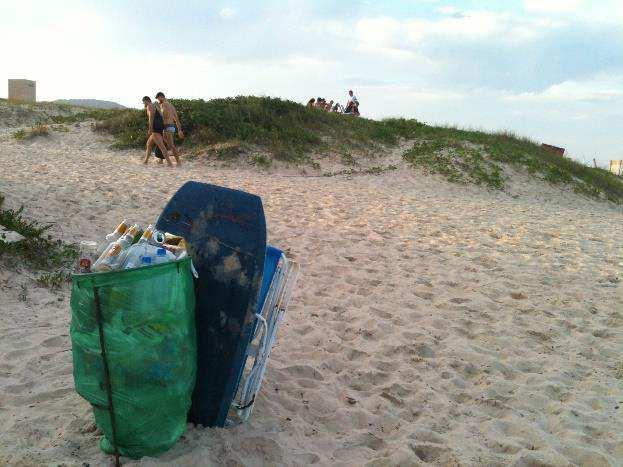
[133, 230]
[146, 259]
[161, 252]
[158, 236]
[121, 228]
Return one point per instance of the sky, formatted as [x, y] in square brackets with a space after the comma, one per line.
[551, 70]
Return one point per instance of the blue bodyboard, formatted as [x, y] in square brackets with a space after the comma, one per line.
[225, 231]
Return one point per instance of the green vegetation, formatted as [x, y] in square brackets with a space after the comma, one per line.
[87, 114]
[34, 131]
[375, 170]
[37, 251]
[260, 160]
[54, 280]
[458, 162]
[348, 158]
[493, 148]
[379, 169]
[290, 131]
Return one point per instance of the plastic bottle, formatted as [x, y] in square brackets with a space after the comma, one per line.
[88, 254]
[163, 256]
[114, 255]
[118, 232]
[139, 249]
[158, 238]
[113, 236]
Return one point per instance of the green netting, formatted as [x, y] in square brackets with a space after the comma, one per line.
[148, 324]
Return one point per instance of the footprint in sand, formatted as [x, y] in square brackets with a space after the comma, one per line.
[56, 341]
[19, 388]
[431, 453]
[304, 371]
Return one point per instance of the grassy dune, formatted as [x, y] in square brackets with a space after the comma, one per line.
[290, 132]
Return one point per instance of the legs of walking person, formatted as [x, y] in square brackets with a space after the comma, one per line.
[156, 139]
[160, 142]
[170, 143]
[148, 146]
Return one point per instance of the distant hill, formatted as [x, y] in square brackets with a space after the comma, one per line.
[94, 103]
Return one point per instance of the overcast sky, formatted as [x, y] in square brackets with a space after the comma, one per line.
[548, 69]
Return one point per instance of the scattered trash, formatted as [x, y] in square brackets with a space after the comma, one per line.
[9, 236]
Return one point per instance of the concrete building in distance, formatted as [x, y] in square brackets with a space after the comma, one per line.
[616, 167]
[554, 149]
[22, 90]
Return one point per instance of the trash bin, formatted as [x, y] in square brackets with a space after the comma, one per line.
[134, 354]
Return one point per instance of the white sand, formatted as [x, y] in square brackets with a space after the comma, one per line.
[433, 323]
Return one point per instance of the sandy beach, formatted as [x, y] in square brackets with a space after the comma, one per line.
[433, 324]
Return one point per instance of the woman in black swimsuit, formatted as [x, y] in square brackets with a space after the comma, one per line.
[155, 129]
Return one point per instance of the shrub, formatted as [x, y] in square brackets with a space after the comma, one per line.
[36, 251]
[36, 130]
[284, 126]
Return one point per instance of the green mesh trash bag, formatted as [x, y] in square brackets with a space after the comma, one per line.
[146, 320]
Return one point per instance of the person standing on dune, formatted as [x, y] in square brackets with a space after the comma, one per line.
[352, 104]
[171, 125]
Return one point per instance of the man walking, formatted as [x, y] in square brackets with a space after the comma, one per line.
[171, 125]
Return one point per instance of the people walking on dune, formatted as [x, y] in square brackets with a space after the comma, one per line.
[172, 125]
[155, 129]
[311, 103]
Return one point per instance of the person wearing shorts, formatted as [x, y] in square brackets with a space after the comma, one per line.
[172, 125]
[155, 130]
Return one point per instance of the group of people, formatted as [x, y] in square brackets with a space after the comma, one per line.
[163, 123]
[351, 107]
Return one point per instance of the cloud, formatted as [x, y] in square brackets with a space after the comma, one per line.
[449, 10]
[410, 34]
[227, 12]
[600, 88]
[553, 6]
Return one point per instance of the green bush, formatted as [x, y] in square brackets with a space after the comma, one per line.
[36, 251]
[37, 130]
[286, 127]
[290, 131]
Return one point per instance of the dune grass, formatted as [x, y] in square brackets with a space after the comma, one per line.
[36, 130]
[38, 251]
[505, 147]
[290, 131]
